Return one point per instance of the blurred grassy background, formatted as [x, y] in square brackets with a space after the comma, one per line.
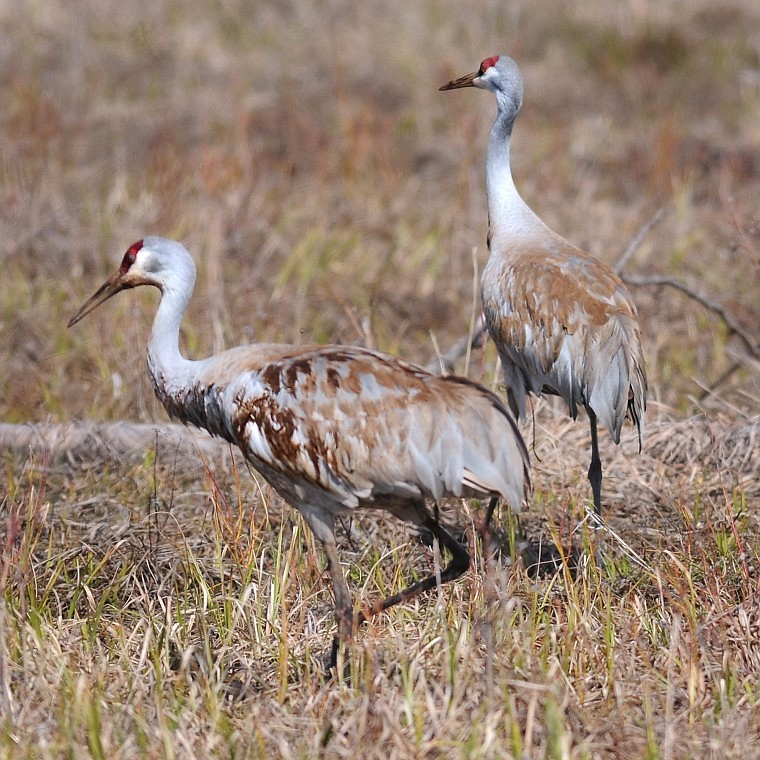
[329, 192]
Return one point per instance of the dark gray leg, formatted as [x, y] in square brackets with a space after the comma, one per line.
[344, 614]
[344, 611]
[595, 468]
[322, 525]
[460, 561]
[489, 512]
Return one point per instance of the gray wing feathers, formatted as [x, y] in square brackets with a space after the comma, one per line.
[471, 449]
[602, 368]
[614, 382]
[364, 435]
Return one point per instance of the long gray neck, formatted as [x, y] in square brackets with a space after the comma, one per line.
[508, 213]
[179, 383]
[169, 370]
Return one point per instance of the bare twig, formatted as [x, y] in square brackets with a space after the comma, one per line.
[637, 240]
[708, 391]
[477, 319]
[734, 327]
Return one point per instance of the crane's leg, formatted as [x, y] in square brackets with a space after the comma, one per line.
[344, 616]
[485, 529]
[489, 513]
[460, 561]
[595, 468]
[322, 524]
[344, 611]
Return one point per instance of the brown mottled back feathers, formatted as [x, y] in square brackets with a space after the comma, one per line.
[565, 324]
[342, 427]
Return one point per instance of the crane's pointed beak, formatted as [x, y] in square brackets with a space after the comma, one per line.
[468, 80]
[109, 288]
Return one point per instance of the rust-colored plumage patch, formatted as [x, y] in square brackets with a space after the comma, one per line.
[560, 318]
[349, 418]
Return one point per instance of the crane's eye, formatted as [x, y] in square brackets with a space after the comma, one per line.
[487, 63]
[130, 256]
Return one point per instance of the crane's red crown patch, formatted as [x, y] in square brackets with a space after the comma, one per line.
[130, 256]
[486, 63]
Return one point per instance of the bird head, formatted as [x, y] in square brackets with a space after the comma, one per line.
[499, 74]
[151, 261]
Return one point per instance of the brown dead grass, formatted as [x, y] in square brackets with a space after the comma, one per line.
[330, 193]
[165, 607]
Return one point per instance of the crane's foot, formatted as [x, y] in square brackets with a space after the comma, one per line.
[595, 525]
[597, 540]
[330, 660]
[338, 657]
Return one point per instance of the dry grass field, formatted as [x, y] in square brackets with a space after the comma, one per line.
[161, 602]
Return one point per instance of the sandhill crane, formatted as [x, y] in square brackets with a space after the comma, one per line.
[562, 321]
[331, 428]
